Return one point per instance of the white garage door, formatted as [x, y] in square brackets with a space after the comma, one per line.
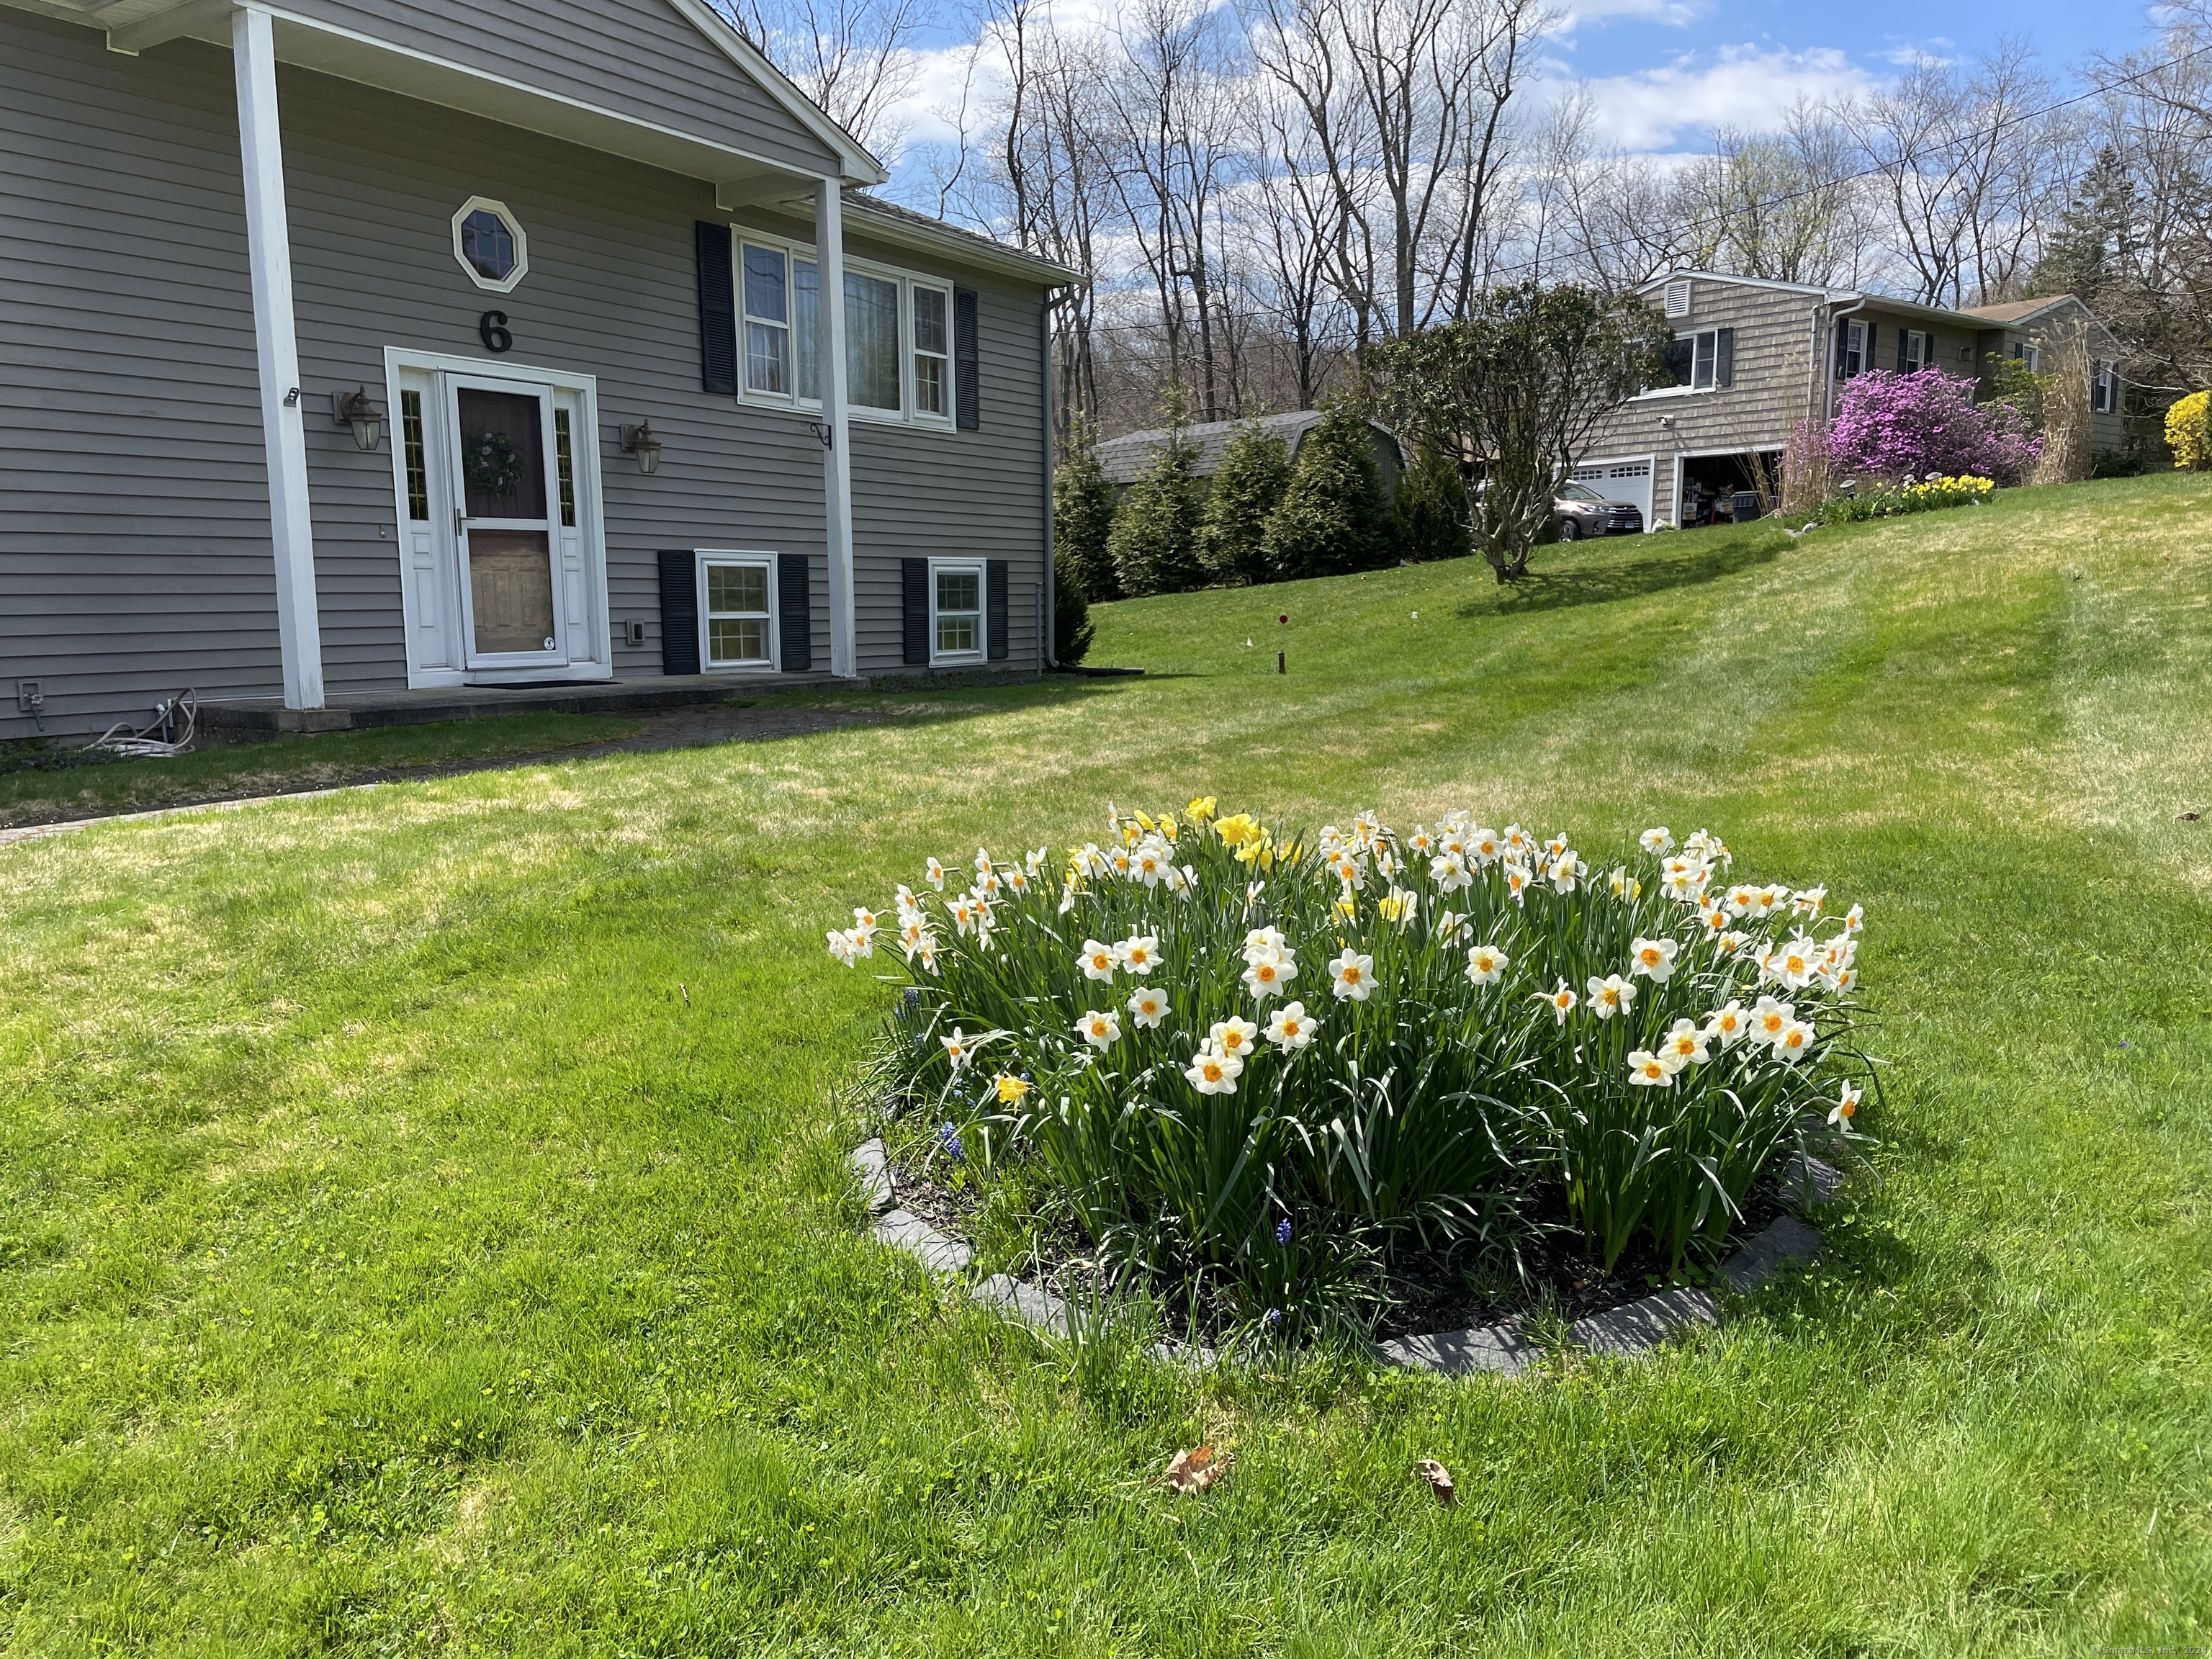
[1621, 480]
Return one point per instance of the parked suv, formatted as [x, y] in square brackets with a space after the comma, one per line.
[1583, 512]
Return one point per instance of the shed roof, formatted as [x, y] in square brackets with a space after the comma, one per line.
[1122, 458]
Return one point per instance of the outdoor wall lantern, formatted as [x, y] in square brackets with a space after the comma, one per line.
[639, 441]
[353, 408]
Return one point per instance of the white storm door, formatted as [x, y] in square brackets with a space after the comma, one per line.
[503, 455]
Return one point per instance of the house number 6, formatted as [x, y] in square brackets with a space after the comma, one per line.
[491, 329]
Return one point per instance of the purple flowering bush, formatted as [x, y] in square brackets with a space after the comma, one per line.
[1894, 425]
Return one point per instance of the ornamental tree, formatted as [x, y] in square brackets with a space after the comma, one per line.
[1517, 387]
[1891, 424]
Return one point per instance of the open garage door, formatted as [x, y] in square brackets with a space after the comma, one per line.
[1628, 480]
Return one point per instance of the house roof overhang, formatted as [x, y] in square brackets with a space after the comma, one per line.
[135, 26]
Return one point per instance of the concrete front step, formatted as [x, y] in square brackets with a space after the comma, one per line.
[357, 710]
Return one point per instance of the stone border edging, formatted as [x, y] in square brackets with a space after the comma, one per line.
[1628, 1332]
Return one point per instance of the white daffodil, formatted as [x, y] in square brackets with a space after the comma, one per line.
[1016, 881]
[1656, 842]
[1290, 1028]
[1708, 847]
[1770, 1018]
[1485, 847]
[1714, 919]
[1684, 1045]
[1152, 860]
[1450, 872]
[1796, 1037]
[1095, 960]
[1486, 965]
[1346, 869]
[1183, 882]
[907, 903]
[1740, 899]
[1622, 885]
[1566, 870]
[1121, 862]
[1451, 927]
[1516, 881]
[1352, 977]
[1149, 1007]
[963, 911]
[1845, 1108]
[987, 885]
[844, 947]
[926, 954]
[1233, 1036]
[1731, 1026]
[1557, 846]
[1796, 962]
[1421, 843]
[1034, 862]
[1654, 958]
[1649, 1070]
[1386, 862]
[1140, 953]
[1765, 901]
[1066, 897]
[1090, 862]
[1611, 995]
[864, 923]
[1733, 942]
[957, 1048]
[1809, 902]
[1213, 1073]
[1841, 981]
[983, 864]
[936, 873]
[1269, 974]
[1518, 843]
[1264, 942]
[1561, 998]
[1684, 879]
[1854, 919]
[1101, 1029]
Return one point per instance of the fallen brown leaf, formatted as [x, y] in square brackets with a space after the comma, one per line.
[1439, 1480]
[1198, 1469]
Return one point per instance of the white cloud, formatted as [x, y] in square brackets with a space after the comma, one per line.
[1746, 87]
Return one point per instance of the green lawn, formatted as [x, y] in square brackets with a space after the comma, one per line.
[49, 794]
[396, 1261]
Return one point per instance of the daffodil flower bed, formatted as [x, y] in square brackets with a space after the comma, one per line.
[1254, 1064]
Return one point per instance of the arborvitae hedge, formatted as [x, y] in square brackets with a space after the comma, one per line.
[1082, 516]
[1154, 540]
[1248, 485]
[1432, 509]
[1333, 518]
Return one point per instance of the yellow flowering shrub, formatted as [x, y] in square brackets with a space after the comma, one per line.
[1248, 1066]
[2189, 431]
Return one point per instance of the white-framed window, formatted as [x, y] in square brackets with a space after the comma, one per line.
[959, 625]
[490, 244]
[1916, 349]
[736, 611]
[2104, 385]
[930, 304]
[898, 334]
[1852, 358]
[2027, 352]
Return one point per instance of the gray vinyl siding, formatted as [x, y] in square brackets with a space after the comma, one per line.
[134, 543]
[641, 58]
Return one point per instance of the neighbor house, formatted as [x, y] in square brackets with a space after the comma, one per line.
[358, 349]
[1750, 359]
[1122, 458]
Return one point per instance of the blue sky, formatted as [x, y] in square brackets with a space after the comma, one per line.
[1667, 71]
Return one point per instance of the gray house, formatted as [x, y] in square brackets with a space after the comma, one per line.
[1751, 358]
[360, 350]
[1122, 458]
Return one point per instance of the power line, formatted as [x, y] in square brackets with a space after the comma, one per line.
[1782, 199]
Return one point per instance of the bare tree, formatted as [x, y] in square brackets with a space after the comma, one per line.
[853, 58]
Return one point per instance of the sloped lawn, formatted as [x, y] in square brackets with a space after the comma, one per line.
[422, 1227]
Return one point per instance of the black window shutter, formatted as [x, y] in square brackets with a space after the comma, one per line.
[1843, 347]
[718, 308]
[1904, 344]
[913, 592]
[793, 617]
[1001, 613]
[1867, 359]
[966, 362]
[1724, 358]
[679, 612]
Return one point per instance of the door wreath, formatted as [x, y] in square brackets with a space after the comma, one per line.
[491, 463]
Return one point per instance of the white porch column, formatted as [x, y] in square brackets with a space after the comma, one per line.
[836, 458]
[283, 435]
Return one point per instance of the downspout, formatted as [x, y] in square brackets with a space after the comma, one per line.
[1836, 316]
[1044, 448]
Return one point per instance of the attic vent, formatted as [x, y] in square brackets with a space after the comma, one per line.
[1678, 298]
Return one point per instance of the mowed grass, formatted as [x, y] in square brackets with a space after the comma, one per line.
[423, 1228]
[283, 763]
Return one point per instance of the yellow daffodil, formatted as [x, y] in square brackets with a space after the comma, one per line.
[1011, 1089]
[1236, 831]
[1199, 810]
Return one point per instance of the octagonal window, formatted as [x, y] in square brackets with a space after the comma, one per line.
[490, 243]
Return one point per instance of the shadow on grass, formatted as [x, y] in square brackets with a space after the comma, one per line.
[1632, 578]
